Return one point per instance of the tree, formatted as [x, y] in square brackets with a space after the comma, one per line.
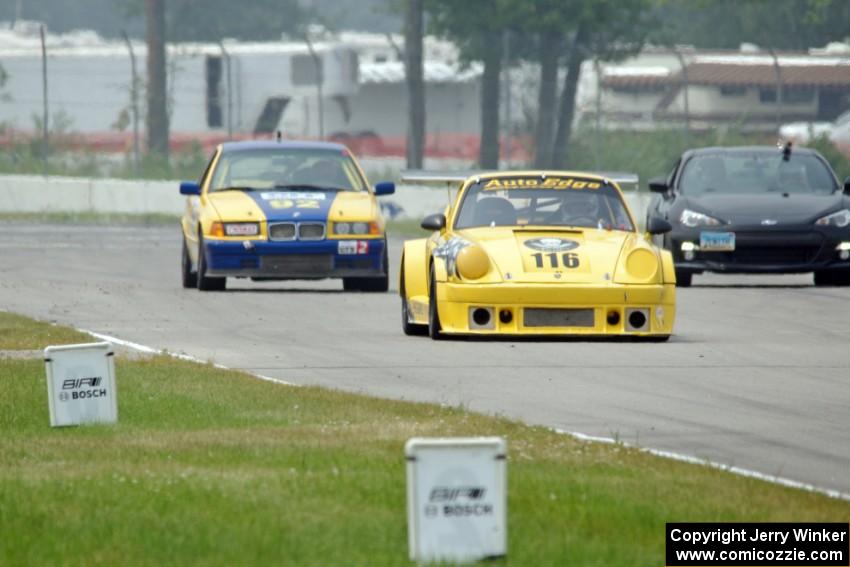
[607, 30]
[157, 118]
[477, 28]
[413, 33]
[780, 24]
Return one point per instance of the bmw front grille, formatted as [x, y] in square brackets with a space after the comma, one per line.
[311, 231]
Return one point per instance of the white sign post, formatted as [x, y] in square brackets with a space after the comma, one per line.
[456, 498]
[81, 384]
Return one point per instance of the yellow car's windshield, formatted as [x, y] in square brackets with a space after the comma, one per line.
[287, 167]
[538, 201]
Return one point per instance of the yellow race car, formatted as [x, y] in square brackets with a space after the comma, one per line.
[536, 253]
[284, 210]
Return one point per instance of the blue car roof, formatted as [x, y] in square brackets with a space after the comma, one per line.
[228, 147]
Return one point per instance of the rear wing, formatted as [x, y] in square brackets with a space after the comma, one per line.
[422, 177]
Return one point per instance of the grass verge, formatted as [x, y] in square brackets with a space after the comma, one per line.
[22, 333]
[213, 467]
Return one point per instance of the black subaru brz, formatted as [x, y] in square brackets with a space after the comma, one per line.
[755, 210]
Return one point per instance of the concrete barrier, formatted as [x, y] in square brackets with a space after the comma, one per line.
[36, 194]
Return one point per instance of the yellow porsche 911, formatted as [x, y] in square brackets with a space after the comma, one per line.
[536, 253]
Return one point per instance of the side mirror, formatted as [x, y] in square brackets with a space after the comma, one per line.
[384, 188]
[847, 186]
[190, 188]
[658, 185]
[437, 221]
[657, 225]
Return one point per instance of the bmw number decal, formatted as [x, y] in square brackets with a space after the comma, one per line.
[353, 247]
[551, 244]
[291, 195]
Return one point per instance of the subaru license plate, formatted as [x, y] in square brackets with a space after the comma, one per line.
[717, 241]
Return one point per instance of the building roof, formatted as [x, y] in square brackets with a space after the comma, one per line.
[760, 71]
[796, 70]
[433, 72]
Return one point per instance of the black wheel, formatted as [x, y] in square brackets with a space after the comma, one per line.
[433, 315]
[833, 278]
[410, 329]
[189, 278]
[683, 279]
[351, 284]
[657, 338]
[205, 282]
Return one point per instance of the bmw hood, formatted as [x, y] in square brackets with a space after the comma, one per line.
[787, 208]
[540, 256]
[273, 205]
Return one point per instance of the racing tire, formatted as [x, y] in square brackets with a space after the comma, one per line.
[410, 329]
[205, 282]
[833, 278]
[188, 277]
[434, 328]
[684, 279]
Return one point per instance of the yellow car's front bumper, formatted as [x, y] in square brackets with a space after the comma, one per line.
[546, 309]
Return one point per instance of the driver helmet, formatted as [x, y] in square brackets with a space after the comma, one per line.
[578, 204]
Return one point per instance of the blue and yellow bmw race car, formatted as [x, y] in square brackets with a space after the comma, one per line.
[536, 253]
[284, 210]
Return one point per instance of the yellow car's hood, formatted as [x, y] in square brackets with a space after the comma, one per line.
[235, 206]
[273, 205]
[545, 256]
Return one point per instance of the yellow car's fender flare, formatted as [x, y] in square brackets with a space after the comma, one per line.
[413, 266]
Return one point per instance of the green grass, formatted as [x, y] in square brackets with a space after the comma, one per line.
[22, 333]
[214, 467]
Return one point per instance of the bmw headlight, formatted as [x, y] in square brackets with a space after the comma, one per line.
[358, 228]
[839, 219]
[694, 219]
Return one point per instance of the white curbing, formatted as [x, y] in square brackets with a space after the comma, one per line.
[739, 471]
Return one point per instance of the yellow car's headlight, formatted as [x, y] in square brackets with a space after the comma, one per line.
[642, 264]
[356, 228]
[472, 262]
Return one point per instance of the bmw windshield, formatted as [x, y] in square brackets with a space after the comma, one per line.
[538, 201]
[754, 172]
[287, 168]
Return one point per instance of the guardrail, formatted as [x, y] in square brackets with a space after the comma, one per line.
[37, 194]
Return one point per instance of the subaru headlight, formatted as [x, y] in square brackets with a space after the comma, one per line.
[840, 219]
[694, 219]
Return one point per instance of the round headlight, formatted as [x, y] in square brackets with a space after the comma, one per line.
[472, 262]
[360, 228]
[342, 228]
[642, 264]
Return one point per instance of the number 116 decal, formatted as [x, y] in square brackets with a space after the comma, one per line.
[555, 260]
